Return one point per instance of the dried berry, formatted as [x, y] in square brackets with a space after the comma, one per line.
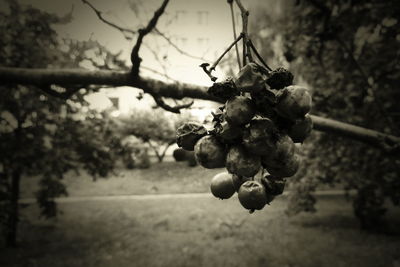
[209, 152]
[222, 186]
[241, 162]
[280, 78]
[239, 110]
[250, 78]
[294, 103]
[188, 134]
[260, 136]
[301, 129]
[273, 186]
[224, 90]
[264, 101]
[228, 132]
[283, 151]
[252, 195]
[287, 168]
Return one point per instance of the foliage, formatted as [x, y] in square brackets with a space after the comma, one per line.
[347, 51]
[42, 135]
[156, 128]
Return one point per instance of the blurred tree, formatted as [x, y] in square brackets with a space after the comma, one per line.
[42, 135]
[156, 128]
[348, 52]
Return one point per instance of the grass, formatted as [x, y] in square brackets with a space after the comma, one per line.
[161, 178]
[166, 177]
[197, 232]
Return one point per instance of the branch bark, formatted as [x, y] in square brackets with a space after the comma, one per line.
[40, 77]
[135, 59]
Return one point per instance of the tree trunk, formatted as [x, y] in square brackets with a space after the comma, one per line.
[13, 214]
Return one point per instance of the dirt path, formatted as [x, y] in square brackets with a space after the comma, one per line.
[156, 196]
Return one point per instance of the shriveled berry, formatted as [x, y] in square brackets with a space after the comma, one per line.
[284, 150]
[250, 78]
[210, 153]
[224, 90]
[252, 195]
[287, 168]
[264, 101]
[294, 103]
[273, 186]
[222, 186]
[241, 162]
[280, 78]
[301, 129]
[260, 137]
[239, 110]
[188, 134]
[228, 132]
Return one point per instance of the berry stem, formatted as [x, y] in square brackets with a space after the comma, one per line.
[234, 33]
[258, 55]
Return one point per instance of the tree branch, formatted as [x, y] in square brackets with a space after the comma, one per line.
[135, 59]
[99, 14]
[245, 19]
[174, 109]
[383, 141]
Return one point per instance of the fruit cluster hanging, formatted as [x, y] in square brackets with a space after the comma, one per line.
[254, 131]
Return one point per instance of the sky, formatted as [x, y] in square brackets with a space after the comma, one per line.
[196, 33]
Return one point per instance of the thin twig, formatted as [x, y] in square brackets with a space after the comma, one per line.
[135, 59]
[175, 109]
[234, 32]
[226, 51]
[176, 47]
[258, 55]
[212, 68]
[99, 14]
[245, 19]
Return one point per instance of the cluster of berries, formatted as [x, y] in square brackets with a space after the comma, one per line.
[255, 131]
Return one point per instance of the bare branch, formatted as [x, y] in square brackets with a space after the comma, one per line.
[387, 142]
[128, 33]
[258, 55]
[212, 68]
[176, 47]
[99, 14]
[230, 2]
[175, 109]
[135, 59]
[245, 19]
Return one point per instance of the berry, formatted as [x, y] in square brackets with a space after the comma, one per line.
[280, 78]
[239, 180]
[188, 134]
[250, 78]
[301, 129]
[239, 110]
[224, 90]
[287, 168]
[252, 195]
[209, 152]
[273, 186]
[294, 103]
[283, 150]
[260, 136]
[222, 186]
[228, 132]
[241, 162]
